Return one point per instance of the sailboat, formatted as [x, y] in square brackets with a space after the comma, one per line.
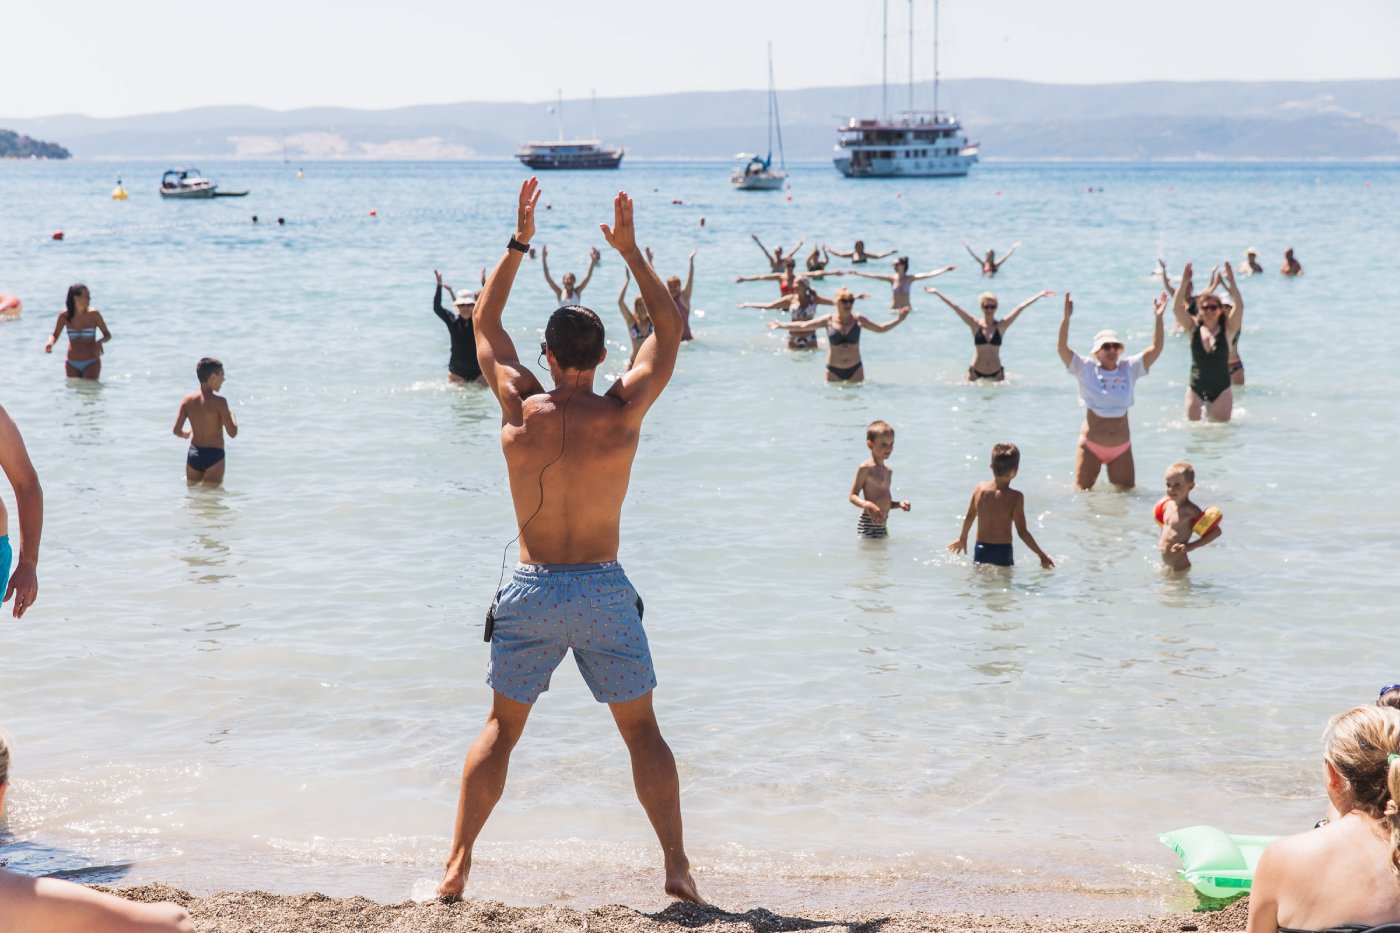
[919, 144]
[568, 153]
[753, 173]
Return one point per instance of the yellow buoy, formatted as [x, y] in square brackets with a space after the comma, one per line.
[119, 193]
[300, 173]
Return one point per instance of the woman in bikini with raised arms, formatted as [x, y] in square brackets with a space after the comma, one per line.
[82, 321]
[776, 259]
[901, 282]
[843, 363]
[1106, 381]
[1213, 334]
[801, 304]
[571, 292]
[988, 332]
[989, 262]
[638, 320]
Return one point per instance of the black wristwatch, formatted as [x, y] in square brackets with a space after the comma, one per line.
[517, 245]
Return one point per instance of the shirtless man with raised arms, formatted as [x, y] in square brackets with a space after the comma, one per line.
[569, 455]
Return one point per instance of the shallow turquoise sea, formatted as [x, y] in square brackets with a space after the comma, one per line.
[273, 685]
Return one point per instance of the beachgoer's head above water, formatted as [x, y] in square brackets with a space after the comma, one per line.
[570, 280]
[464, 303]
[574, 339]
[860, 246]
[879, 437]
[987, 301]
[1361, 749]
[1180, 479]
[845, 299]
[1006, 460]
[901, 265]
[77, 300]
[674, 284]
[1389, 696]
[210, 372]
[1107, 348]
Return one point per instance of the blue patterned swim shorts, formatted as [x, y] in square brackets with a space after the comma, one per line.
[547, 609]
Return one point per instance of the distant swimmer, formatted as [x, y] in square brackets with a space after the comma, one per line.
[788, 277]
[1213, 336]
[989, 262]
[818, 259]
[987, 333]
[569, 454]
[82, 321]
[681, 294]
[1291, 266]
[801, 304]
[1106, 382]
[1180, 518]
[843, 329]
[209, 417]
[572, 291]
[997, 509]
[637, 319]
[1251, 265]
[871, 490]
[52, 905]
[776, 258]
[858, 255]
[901, 282]
[23, 582]
[461, 365]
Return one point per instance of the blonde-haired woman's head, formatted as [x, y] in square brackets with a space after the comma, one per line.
[1362, 751]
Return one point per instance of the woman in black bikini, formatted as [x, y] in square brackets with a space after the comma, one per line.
[801, 303]
[858, 255]
[991, 265]
[988, 332]
[843, 363]
[1342, 876]
[1213, 335]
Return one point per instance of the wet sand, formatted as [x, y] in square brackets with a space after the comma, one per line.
[260, 912]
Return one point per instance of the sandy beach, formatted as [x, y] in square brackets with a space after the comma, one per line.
[260, 912]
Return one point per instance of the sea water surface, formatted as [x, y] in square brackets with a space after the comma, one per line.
[273, 684]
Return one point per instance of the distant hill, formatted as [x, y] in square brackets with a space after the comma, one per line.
[16, 146]
[1012, 120]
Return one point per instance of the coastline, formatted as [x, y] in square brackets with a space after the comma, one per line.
[244, 911]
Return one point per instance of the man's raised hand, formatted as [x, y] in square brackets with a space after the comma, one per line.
[525, 212]
[622, 235]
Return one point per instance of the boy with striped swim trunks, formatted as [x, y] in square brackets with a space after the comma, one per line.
[871, 490]
[569, 454]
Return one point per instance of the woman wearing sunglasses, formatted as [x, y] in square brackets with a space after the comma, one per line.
[987, 333]
[1213, 334]
[1106, 381]
[843, 329]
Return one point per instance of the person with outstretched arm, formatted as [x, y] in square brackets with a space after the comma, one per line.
[569, 454]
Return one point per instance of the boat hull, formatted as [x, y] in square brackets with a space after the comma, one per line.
[767, 181]
[957, 167]
[188, 194]
[552, 163]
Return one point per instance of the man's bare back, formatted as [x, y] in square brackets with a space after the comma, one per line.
[207, 414]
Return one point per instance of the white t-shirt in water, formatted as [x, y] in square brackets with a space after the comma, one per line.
[1108, 393]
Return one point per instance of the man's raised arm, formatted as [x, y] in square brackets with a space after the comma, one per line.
[495, 351]
[656, 358]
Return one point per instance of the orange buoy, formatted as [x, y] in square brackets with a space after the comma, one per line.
[374, 213]
[58, 234]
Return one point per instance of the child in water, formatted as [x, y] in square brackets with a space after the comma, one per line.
[1180, 518]
[996, 507]
[871, 491]
[209, 417]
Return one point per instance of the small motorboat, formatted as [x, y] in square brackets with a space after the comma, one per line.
[189, 183]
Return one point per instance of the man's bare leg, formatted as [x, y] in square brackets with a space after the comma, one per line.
[483, 780]
[658, 788]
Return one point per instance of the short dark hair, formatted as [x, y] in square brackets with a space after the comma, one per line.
[206, 368]
[879, 429]
[574, 335]
[1006, 459]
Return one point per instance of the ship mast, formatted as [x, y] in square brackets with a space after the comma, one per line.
[559, 114]
[935, 61]
[911, 59]
[885, 65]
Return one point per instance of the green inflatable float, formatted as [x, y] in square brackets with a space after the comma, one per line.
[1216, 863]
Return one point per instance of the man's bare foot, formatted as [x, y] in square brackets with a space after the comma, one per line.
[454, 882]
[681, 886]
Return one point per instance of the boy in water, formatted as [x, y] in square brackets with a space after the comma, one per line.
[209, 417]
[871, 491]
[1180, 517]
[996, 507]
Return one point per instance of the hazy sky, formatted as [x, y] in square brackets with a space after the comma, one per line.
[108, 58]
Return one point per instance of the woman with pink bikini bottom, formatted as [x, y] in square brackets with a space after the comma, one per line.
[1106, 381]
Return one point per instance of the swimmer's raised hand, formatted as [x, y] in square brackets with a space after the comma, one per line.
[622, 235]
[1159, 304]
[1069, 306]
[438, 275]
[525, 210]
